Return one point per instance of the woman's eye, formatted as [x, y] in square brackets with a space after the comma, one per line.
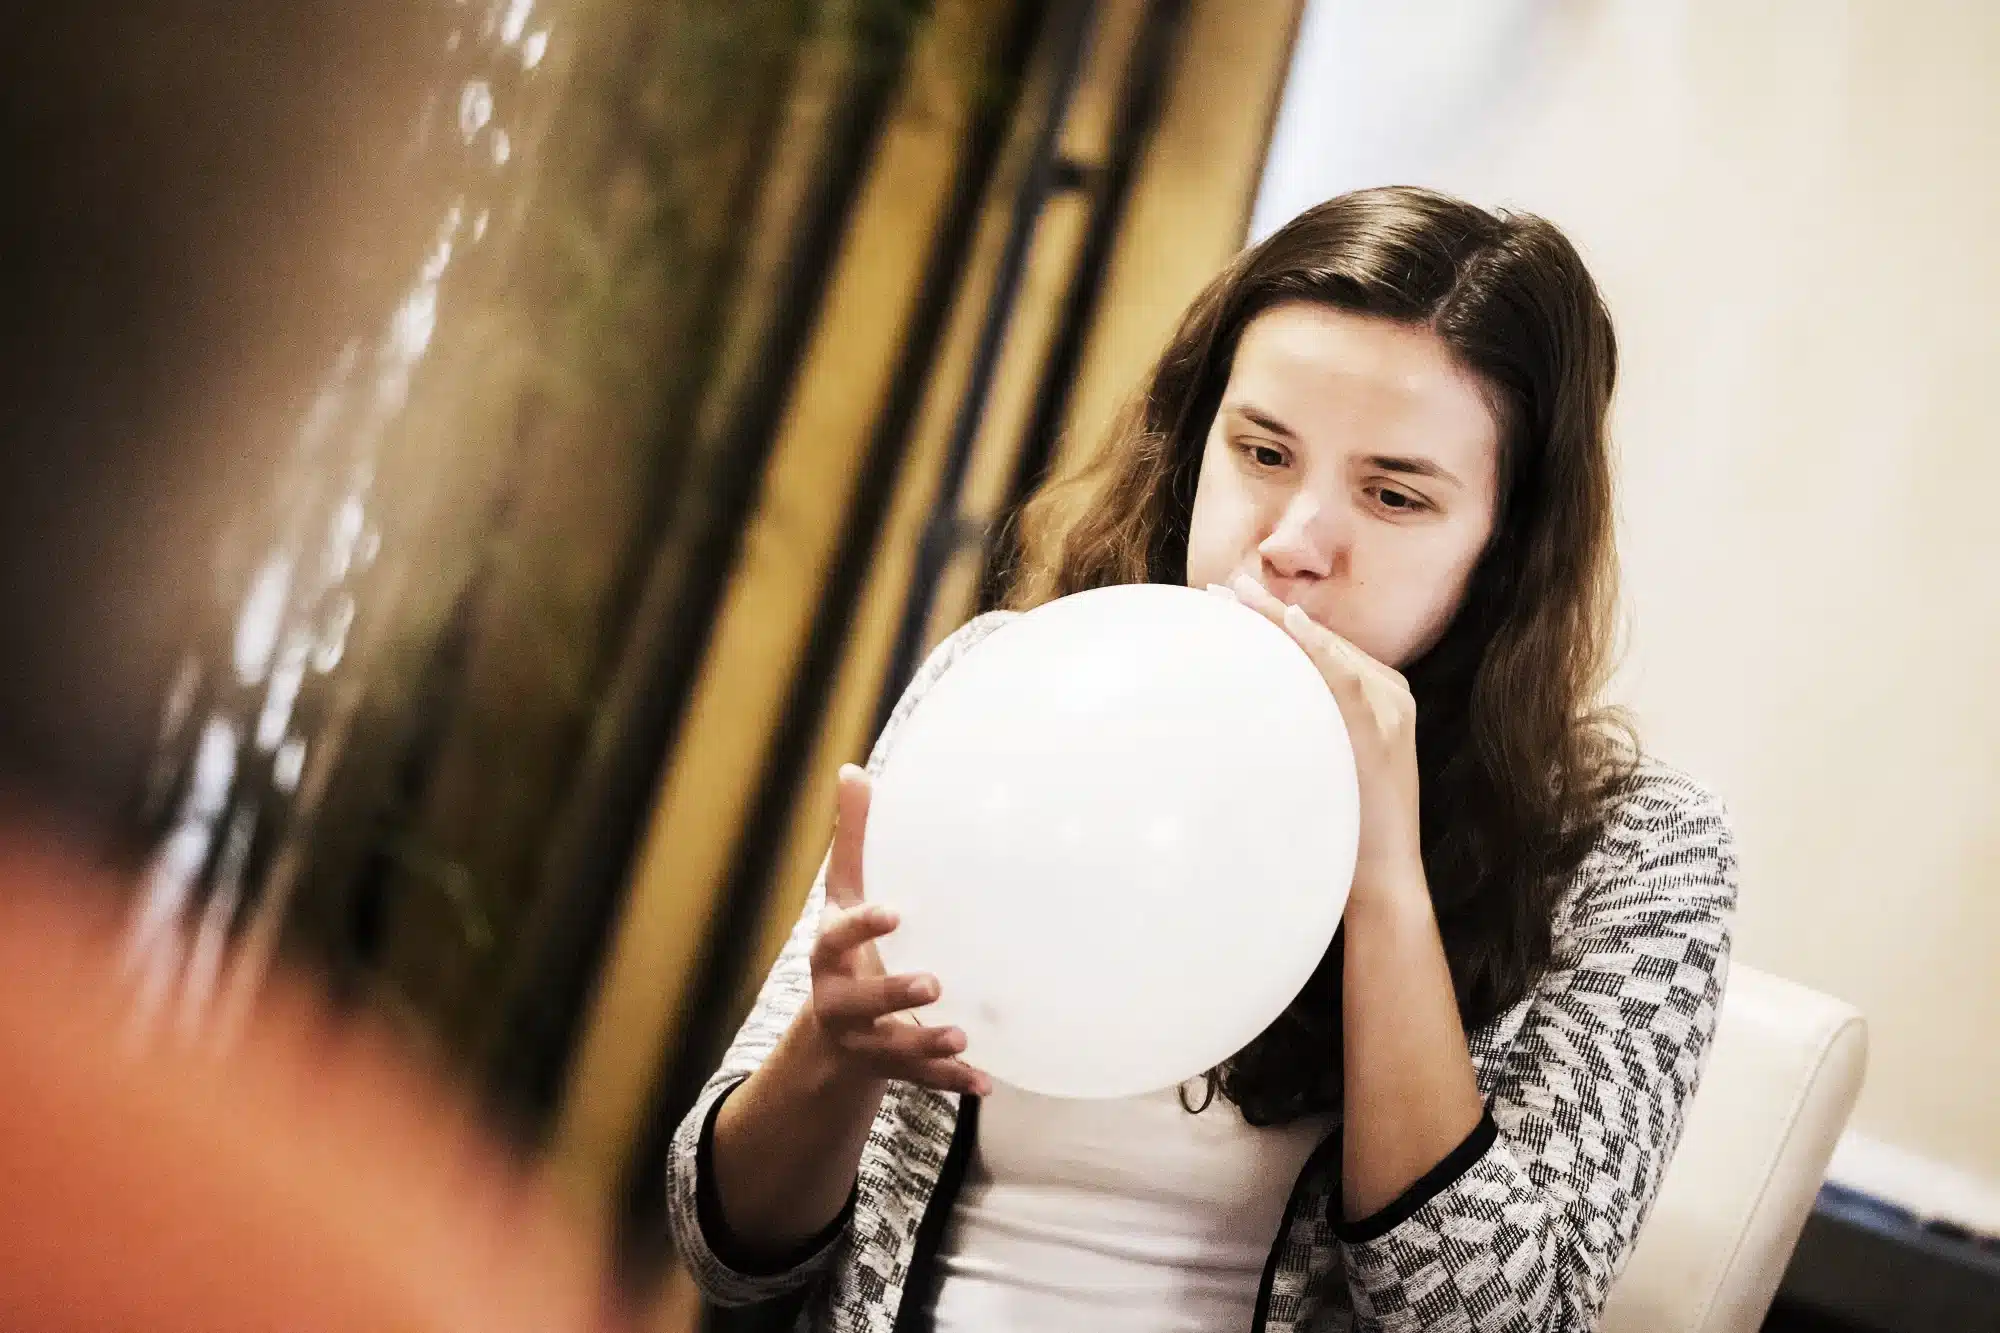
[1265, 455]
[1391, 498]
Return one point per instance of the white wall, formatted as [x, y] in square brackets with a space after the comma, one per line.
[1794, 209]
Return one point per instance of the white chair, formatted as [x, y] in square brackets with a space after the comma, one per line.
[1780, 1083]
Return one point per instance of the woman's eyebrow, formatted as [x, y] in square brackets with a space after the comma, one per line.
[1261, 419]
[1414, 467]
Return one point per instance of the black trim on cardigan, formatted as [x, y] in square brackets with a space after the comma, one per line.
[1433, 1183]
[917, 1312]
[1260, 1313]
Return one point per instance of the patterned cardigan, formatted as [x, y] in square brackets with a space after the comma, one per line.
[1585, 1079]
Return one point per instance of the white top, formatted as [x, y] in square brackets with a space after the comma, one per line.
[1116, 1216]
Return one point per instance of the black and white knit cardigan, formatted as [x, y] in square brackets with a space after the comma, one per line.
[1585, 1080]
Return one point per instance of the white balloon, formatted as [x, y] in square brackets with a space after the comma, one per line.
[1121, 833]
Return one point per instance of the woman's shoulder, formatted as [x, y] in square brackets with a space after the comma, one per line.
[955, 645]
[1658, 798]
[950, 650]
[976, 630]
[1665, 836]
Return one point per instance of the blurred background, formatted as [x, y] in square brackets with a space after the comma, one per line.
[474, 468]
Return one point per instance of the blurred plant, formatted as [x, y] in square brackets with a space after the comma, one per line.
[363, 756]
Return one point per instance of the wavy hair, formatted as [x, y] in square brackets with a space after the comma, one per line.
[1519, 766]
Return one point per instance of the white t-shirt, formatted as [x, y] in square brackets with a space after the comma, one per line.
[1116, 1216]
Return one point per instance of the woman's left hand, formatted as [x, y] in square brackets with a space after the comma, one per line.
[1381, 717]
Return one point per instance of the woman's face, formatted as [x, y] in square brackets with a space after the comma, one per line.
[1352, 468]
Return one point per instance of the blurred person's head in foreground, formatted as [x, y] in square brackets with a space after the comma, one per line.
[290, 1173]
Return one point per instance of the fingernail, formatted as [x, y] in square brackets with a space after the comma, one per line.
[926, 989]
[849, 772]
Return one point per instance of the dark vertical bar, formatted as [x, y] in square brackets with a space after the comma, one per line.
[945, 533]
[1138, 116]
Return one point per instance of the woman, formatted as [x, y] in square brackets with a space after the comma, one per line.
[1384, 428]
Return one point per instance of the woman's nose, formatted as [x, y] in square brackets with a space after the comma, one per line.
[1305, 543]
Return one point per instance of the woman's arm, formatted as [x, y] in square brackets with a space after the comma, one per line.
[1409, 1096]
[1586, 1099]
[787, 1143]
[1410, 1099]
[772, 1142]
[716, 1258]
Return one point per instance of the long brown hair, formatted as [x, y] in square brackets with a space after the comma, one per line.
[1519, 767]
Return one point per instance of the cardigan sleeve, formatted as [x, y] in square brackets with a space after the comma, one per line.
[693, 1204]
[1585, 1103]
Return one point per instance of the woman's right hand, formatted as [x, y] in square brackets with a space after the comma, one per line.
[859, 1011]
